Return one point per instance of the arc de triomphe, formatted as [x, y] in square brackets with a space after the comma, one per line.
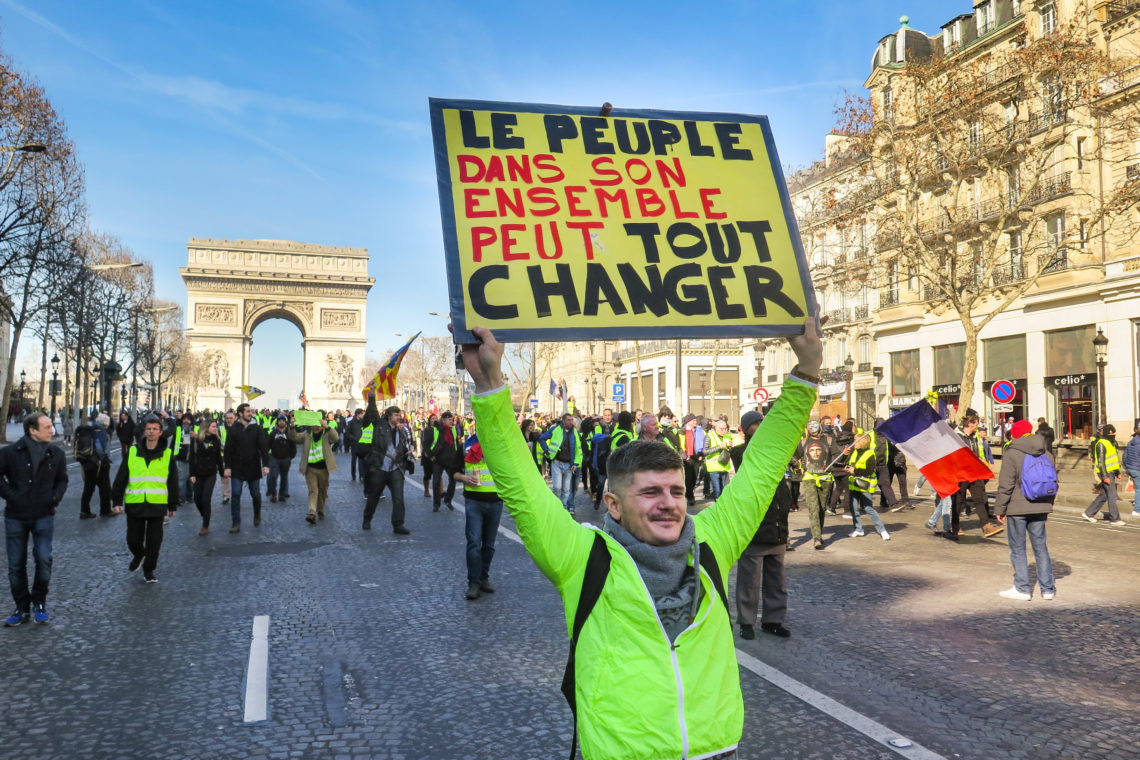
[232, 286]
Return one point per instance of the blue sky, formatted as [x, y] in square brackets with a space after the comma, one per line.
[308, 120]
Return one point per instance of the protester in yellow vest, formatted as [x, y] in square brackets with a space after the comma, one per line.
[1106, 470]
[314, 449]
[147, 483]
[864, 482]
[718, 456]
[484, 510]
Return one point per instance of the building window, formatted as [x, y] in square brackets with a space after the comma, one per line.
[1013, 186]
[888, 98]
[1048, 19]
[885, 51]
[911, 278]
[905, 374]
[864, 350]
[1080, 153]
[985, 18]
[1083, 230]
[1013, 240]
[842, 345]
[893, 279]
[974, 135]
[1058, 255]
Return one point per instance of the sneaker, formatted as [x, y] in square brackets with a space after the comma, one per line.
[1013, 593]
[899, 507]
[136, 563]
[204, 532]
[447, 504]
[486, 587]
[1090, 519]
[857, 534]
[473, 591]
[86, 515]
[149, 578]
[40, 614]
[916, 490]
[16, 618]
[1117, 522]
[400, 530]
[235, 529]
[819, 544]
[885, 536]
[311, 519]
[930, 525]
[1048, 595]
[747, 632]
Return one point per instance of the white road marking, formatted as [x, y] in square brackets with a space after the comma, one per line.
[257, 672]
[870, 728]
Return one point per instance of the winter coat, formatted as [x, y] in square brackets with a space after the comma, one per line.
[31, 495]
[247, 450]
[206, 456]
[1130, 457]
[1009, 499]
[304, 442]
[280, 447]
[450, 458]
[146, 510]
[125, 431]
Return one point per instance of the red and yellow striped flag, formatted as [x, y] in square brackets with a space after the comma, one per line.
[384, 384]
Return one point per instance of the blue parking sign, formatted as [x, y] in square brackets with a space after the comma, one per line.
[619, 389]
[534, 403]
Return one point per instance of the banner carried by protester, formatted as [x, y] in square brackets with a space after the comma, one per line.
[561, 224]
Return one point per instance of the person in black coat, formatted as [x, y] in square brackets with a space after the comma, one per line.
[446, 457]
[247, 461]
[760, 568]
[390, 455]
[844, 442]
[145, 516]
[125, 431]
[206, 466]
[425, 452]
[33, 479]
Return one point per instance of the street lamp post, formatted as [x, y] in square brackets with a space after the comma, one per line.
[20, 403]
[1100, 345]
[54, 382]
[703, 376]
[848, 375]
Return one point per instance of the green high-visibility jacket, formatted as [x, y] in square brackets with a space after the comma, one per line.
[638, 694]
[551, 444]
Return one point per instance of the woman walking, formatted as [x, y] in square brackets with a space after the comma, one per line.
[206, 465]
[425, 452]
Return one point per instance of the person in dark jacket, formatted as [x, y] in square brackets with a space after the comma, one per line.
[1130, 461]
[247, 461]
[841, 494]
[1048, 435]
[96, 471]
[281, 453]
[446, 457]
[760, 569]
[125, 431]
[206, 466]
[147, 483]
[1023, 517]
[358, 442]
[425, 453]
[390, 455]
[33, 479]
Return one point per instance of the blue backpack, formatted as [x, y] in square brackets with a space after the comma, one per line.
[1038, 477]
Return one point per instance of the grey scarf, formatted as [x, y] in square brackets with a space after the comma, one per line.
[672, 582]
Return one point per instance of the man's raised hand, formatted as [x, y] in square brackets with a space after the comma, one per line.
[808, 347]
[483, 360]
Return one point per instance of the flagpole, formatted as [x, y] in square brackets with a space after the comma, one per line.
[846, 453]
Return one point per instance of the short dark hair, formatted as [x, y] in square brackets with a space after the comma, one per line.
[242, 407]
[391, 410]
[970, 419]
[32, 422]
[151, 419]
[446, 415]
[640, 456]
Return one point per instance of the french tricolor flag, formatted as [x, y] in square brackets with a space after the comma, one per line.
[931, 445]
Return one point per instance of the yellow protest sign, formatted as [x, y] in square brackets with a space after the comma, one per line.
[563, 224]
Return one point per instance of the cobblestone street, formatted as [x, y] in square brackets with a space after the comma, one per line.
[374, 652]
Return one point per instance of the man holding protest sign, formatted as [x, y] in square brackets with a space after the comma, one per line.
[661, 571]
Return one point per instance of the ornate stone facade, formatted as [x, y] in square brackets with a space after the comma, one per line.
[235, 285]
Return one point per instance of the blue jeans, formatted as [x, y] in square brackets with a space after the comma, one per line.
[482, 527]
[862, 501]
[235, 498]
[716, 479]
[185, 487]
[16, 532]
[278, 473]
[1016, 527]
[562, 481]
[942, 508]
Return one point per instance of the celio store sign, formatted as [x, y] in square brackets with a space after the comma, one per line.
[1062, 380]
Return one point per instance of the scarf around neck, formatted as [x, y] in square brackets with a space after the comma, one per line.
[671, 580]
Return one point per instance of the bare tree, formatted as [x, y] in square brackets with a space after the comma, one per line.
[964, 166]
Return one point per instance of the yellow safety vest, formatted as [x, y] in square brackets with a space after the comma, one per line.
[860, 461]
[316, 450]
[712, 461]
[178, 433]
[147, 482]
[486, 483]
[366, 434]
[1111, 458]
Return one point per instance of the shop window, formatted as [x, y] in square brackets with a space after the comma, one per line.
[905, 376]
[949, 361]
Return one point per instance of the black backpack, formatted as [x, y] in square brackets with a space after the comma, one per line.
[597, 570]
[84, 446]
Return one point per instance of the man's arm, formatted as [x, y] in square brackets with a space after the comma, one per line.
[59, 487]
[1007, 481]
[119, 487]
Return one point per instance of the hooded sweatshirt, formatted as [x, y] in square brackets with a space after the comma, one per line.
[1009, 499]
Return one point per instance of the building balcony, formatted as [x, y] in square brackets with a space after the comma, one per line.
[1132, 172]
[864, 367]
[836, 316]
[1043, 121]
[861, 312]
[1008, 274]
[1114, 10]
[1057, 261]
[1050, 188]
[889, 297]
